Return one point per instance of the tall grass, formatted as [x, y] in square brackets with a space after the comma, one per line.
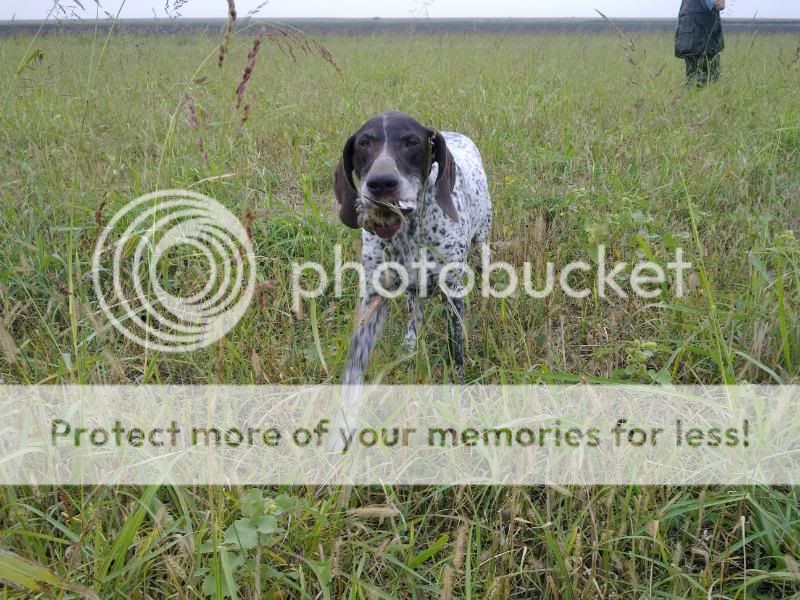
[582, 147]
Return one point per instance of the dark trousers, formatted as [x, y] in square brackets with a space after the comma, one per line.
[702, 69]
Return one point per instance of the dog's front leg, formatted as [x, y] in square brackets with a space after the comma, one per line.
[415, 317]
[369, 323]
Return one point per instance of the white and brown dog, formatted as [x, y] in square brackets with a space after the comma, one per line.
[413, 191]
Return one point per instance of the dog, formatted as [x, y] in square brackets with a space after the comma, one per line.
[411, 190]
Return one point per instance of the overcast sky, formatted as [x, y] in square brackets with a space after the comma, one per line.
[37, 9]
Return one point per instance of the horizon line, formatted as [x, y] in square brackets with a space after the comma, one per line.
[376, 18]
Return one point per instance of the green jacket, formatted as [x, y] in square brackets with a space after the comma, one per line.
[699, 30]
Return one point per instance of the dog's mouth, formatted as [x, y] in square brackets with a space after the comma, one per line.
[386, 220]
[387, 231]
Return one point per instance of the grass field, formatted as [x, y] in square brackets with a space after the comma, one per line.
[586, 140]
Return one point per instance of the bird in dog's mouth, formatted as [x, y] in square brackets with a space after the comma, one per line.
[384, 220]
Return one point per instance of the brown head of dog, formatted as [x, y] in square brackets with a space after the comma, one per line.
[392, 157]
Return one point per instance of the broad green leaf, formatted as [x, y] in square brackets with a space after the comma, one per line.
[242, 534]
[268, 524]
[229, 563]
[662, 377]
[253, 504]
[322, 570]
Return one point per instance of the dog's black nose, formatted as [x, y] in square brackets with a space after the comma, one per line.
[382, 184]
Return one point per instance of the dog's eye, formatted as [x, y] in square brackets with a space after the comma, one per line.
[412, 142]
[365, 143]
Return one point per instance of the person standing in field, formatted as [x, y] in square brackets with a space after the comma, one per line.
[699, 40]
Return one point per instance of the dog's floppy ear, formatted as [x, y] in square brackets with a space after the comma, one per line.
[345, 188]
[446, 179]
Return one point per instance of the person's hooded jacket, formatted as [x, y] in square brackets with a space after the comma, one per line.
[699, 29]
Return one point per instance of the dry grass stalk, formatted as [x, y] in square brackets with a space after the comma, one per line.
[246, 113]
[336, 556]
[249, 219]
[796, 57]
[219, 367]
[117, 371]
[460, 548]
[98, 213]
[374, 512]
[253, 12]
[7, 344]
[264, 287]
[628, 44]
[652, 529]
[99, 221]
[175, 11]
[258, 366]
[223, 49]
[290, 40]
[447, 583]
[193, 122]
[248, 70]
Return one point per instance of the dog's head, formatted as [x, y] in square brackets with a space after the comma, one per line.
[392, 157]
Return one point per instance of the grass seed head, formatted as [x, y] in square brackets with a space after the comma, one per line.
[223, 48]
[248, 70]
[460, 547]
[7, 345]
[193, 122]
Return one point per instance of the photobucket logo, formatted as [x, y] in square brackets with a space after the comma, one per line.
[577, 280]
[160, 245]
